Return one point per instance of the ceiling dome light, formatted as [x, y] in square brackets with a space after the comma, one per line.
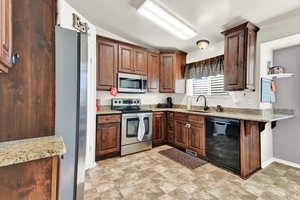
[202, 44]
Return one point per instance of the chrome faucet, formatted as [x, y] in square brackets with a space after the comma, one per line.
[205, 103]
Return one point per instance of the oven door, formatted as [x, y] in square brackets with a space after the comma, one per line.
[131, 83]
[130, 128]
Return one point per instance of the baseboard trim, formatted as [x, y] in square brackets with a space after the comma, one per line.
[267, 163]
[292, 164]
[271, 160]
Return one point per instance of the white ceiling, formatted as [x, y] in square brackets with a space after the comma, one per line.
[208, 17]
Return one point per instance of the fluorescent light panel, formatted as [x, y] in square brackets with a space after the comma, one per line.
[162, 18]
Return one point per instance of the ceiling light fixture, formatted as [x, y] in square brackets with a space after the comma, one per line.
[163, 18]
[202, 44]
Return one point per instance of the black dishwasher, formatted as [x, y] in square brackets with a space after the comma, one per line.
[223, 143]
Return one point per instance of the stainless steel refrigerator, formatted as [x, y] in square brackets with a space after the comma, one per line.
[71, 109]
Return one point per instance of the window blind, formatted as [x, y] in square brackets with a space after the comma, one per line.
[209, 86]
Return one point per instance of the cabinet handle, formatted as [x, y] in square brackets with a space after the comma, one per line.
[14, 58]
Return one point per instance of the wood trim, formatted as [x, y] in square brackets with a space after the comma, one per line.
[250, 151]
[55, 178]
[245, 25]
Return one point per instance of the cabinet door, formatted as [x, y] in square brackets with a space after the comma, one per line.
[126, 59]
[234, 67]
[153, 72]
[107, 62]
[196, 138]
[181, 134]
[107, 138]
[5, 33]
[159, 128]
[140, 61]
[166, 74]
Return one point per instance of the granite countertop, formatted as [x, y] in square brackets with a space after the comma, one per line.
[19, 151]
[241, 114]
[260, 117]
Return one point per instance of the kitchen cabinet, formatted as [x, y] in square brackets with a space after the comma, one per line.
[181, 134]
[190, 132]
[108, 135]
[250, 156]
[153, 72]
[140, 61]
[159, 128]
[126, 63]
[34, 180]
[5, 35]
[107, 63]
[172, 72]
[170, 128]
[196, 138]
[132, 59]
[239, 57]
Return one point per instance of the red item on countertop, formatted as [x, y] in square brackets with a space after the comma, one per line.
[113, 91]
[98, 105]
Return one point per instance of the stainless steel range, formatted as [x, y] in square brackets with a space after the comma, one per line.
[136, 134]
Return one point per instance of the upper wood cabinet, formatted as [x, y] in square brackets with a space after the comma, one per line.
[5, 35]
[126, 59]
[107, 63]
[172, 72]
[132, 60]
[153, 72]
[239, 57]
[140, 61]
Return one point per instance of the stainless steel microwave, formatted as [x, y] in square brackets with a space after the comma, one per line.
[132, 83]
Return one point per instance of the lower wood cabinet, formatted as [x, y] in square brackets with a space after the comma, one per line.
[34, 180]
[190, 132]
[181, 134]
[196, 138]
[170, 128]
[108, 135]
[159, 128]
[250, 152]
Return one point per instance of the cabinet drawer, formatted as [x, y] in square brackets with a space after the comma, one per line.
[181, 116]
[196, 119]
[104, 119]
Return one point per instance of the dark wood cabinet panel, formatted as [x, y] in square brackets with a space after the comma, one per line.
[171, 74]
[153, 72]
[107, 63]
[108, 135]
[107, 139]
[196, 138]
[234, 58]
[166, 81]
[126, 63]
[35, 180]
[140, 61]
[159, 128]
[5, 34]
[28, 91]
[250, 148]
[239, 57]
[181, 134]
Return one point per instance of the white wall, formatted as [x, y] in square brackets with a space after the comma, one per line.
[65, 19]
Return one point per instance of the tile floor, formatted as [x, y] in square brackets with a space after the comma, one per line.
[149, 175]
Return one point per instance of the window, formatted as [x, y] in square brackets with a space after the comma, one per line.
[208, 86]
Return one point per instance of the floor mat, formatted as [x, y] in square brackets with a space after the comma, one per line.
[183, 158]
